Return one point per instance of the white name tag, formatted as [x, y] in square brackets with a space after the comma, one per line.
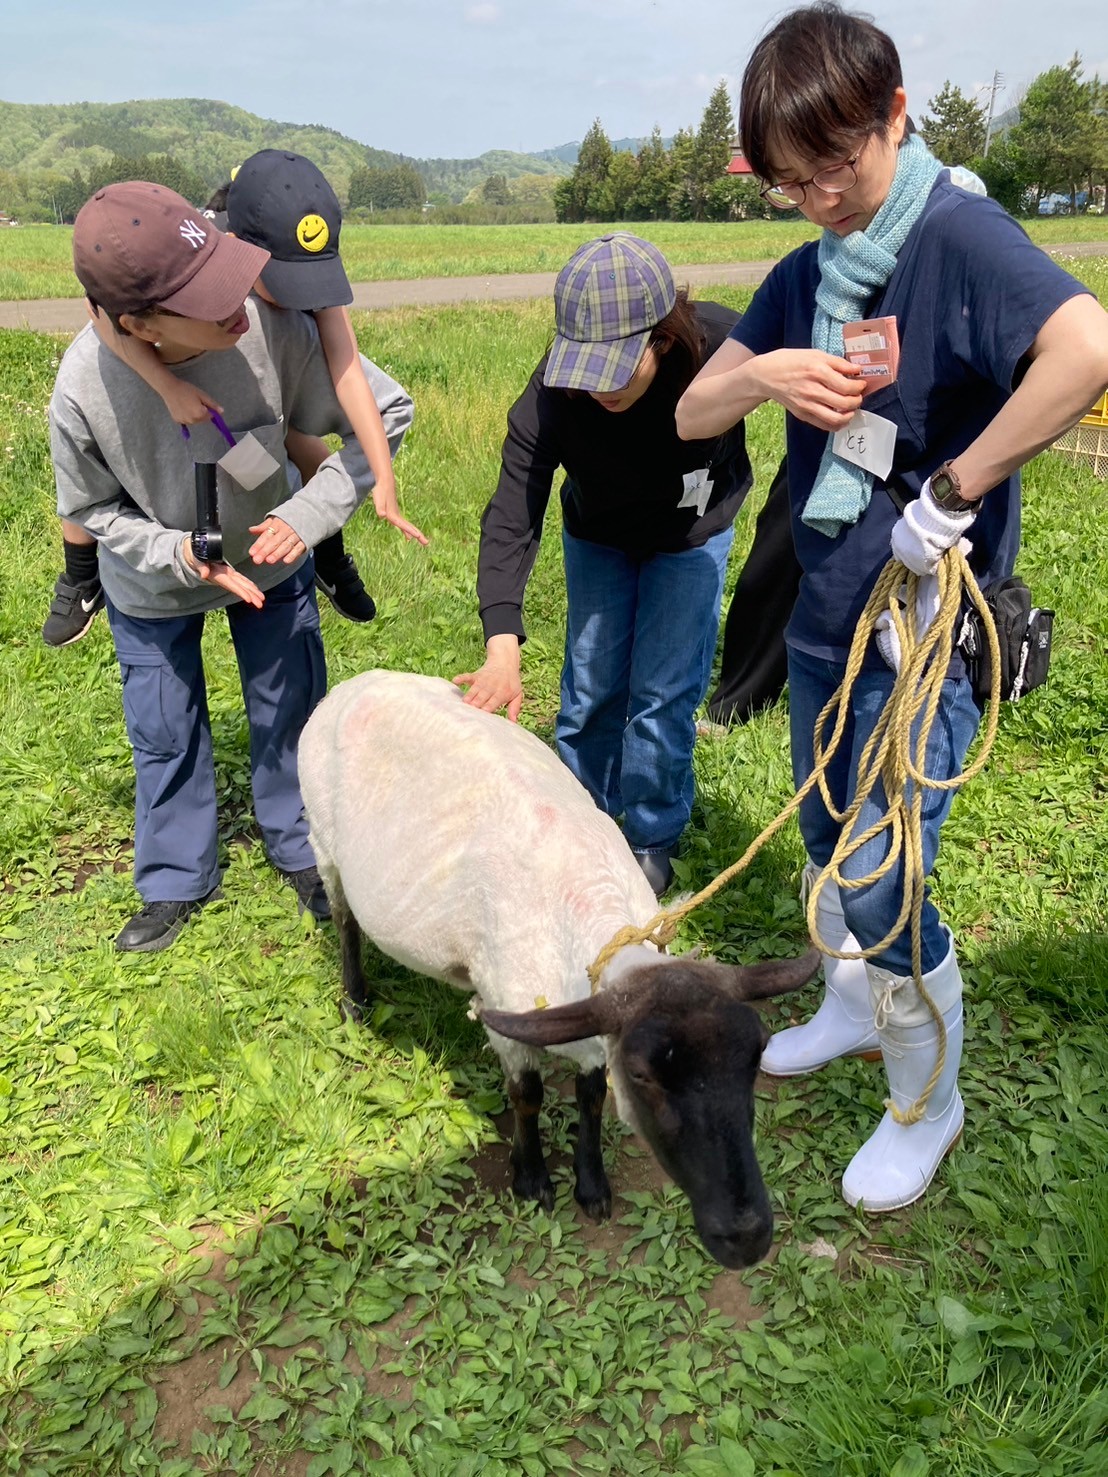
[249, 463]
[868, 441]
[698, 489]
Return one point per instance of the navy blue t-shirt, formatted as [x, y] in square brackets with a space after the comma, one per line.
[969, 293]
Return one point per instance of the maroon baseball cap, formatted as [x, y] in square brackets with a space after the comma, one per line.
[138, 246]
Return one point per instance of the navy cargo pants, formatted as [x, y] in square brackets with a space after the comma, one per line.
[281, 665]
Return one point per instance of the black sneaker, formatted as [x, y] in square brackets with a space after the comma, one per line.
[72, 610]
[310, 892]
[343, 587]
[158, 924]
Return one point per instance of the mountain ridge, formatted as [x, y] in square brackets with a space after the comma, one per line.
[210, 137]
[567, 153]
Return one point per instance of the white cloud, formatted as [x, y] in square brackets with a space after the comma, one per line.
[482, 15]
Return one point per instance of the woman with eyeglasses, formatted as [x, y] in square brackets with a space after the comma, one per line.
[1000, 351]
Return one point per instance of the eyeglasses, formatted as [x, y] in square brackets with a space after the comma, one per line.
[790, 193]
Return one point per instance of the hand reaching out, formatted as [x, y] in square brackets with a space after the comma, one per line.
[387, 507]
[226, 576]
[497, 684]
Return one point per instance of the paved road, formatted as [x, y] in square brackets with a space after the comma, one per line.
[66, 315]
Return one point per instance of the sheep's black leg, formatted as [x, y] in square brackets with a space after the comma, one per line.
[530, 1176]
[355, 991]
[592, 1191]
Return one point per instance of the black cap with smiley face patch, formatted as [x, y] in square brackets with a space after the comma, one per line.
[282, 202]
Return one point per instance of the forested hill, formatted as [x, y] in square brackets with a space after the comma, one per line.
[41, 143]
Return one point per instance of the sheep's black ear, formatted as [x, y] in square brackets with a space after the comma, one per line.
[597, 1016]
[774, 977]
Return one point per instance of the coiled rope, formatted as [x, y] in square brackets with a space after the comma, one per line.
[893, 757]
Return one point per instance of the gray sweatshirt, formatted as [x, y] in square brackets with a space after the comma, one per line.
[124, 471]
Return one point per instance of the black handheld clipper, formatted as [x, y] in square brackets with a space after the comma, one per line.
[207, 536]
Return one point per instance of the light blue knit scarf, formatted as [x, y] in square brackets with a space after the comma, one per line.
[852, 269]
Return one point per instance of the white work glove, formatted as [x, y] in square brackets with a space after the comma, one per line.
[927, 608]
[924, 531]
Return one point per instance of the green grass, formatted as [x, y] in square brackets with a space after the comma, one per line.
[35, 260]
[237, 1236]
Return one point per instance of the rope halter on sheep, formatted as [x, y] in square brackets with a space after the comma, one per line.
[891, 757]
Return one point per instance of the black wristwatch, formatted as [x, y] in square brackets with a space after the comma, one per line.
[947, 491]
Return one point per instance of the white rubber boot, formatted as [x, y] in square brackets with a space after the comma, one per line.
[897, 1164]
[843, 1024]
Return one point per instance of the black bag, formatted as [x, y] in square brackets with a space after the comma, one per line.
[1023, 632]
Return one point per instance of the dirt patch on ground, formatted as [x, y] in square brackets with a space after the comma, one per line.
[190, 1388]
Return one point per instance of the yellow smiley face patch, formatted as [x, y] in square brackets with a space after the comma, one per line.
[312, 233]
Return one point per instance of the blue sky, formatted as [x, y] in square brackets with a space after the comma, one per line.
[456, 77]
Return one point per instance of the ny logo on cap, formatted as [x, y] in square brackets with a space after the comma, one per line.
[195, 235]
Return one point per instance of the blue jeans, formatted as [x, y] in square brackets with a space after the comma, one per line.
[871, 911]
[283, 674]
[640, 637]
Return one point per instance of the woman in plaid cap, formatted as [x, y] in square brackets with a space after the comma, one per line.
[647, 527]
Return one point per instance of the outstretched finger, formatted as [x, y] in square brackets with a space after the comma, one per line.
[228, 578]
[409, 530]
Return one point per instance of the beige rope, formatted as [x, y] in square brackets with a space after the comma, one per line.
[891, 757]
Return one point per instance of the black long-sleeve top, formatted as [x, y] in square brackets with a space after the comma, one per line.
[624, 477]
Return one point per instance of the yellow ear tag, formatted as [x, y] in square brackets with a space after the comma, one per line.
[312, 233]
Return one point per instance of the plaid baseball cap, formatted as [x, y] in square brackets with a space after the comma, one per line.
[138, 245]
[282, 202]
[607, 298]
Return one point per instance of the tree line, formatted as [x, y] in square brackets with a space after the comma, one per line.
[63, 198]
[1058, 145]
[688, 181]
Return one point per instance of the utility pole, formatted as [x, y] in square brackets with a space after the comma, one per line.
[994, 87]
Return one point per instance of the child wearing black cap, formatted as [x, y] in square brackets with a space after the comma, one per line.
[150, 261]
[283, 203]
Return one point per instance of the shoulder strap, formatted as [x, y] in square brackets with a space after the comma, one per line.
[900, 493]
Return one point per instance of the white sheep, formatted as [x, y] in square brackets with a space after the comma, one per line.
[463, 848]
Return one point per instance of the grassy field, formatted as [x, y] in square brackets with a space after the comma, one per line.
[35, 260]
[238, 1236]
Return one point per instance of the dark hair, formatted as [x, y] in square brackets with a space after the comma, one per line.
[218, 198]
[821, 81]
[113, 318]
[680, 333]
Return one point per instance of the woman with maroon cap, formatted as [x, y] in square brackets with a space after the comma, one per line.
[282, 203]
[126, 475]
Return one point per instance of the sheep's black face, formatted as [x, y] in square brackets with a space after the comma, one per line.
[683, 1048]
[688, 1071]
